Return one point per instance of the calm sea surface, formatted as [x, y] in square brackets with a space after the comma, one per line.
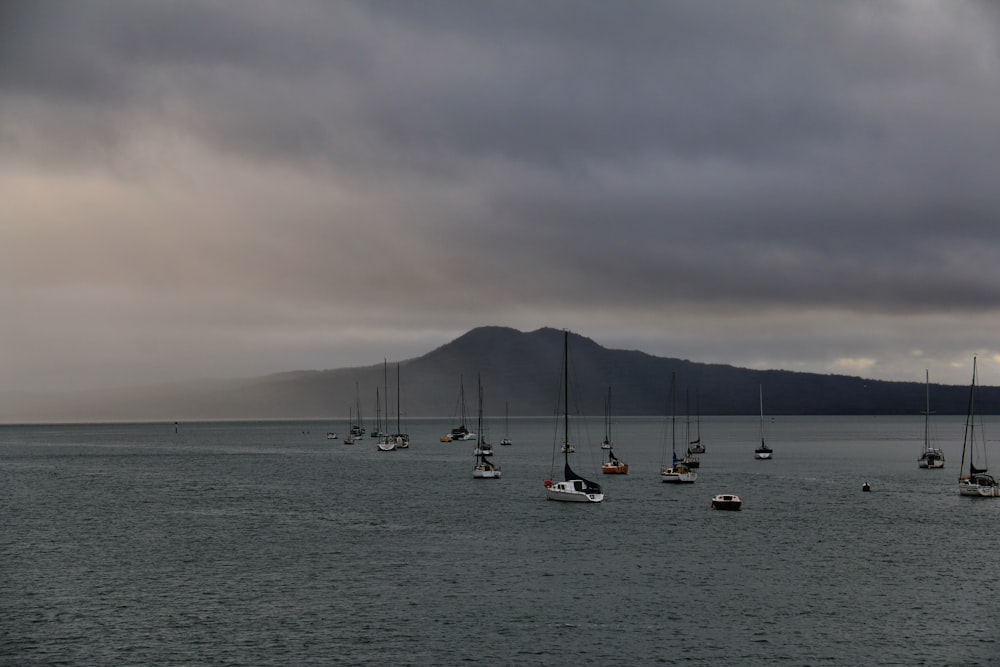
[267, 544]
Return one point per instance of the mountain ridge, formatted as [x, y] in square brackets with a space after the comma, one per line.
[519, 368]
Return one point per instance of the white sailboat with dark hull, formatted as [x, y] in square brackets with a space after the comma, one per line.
[931, 457]
[762, 453]
[484, 468]
[977, 482]
[573, 488]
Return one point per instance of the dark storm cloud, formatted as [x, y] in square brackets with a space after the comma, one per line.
[567, 158]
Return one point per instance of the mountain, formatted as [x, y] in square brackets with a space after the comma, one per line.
[523, 369]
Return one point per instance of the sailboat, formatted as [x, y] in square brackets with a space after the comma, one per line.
[976, 482]
[763, 452]
[606, 443]
[378, 430]
[484, 468]
[677, 472]
[690, 459]
[357, 429]
[401, 439]
[349, 438]
[385, 443]
[696, 446]
[460, 432]
[506, 441]
[574, 488]
[931, 457]
[613, 465]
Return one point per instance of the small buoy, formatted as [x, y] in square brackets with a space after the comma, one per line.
[866, 487]
[548, 484]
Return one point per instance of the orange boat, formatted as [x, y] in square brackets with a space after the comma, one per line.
[615, 467]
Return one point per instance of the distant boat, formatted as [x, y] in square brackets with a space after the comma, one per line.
[349, 438]
[763, 452]
[727, 501]
[977, 482]
[506, 441]
[484, 468]
[331, 435]
[401, 439]
[460, 432]
[677, 472]
[574, 488]
[690, 459]
[385, 442]
[696, 446]
[378, 430]
[613, 465]
[606, 443]
[357, 428]
[931, 457]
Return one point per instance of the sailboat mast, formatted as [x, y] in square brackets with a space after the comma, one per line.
[673, 417]
[398, 400]
[566, 395]
[479, 420]
[760, 389]
[927, 409]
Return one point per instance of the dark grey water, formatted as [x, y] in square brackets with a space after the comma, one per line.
[266, 544]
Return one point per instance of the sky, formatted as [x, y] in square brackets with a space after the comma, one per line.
[229, 189]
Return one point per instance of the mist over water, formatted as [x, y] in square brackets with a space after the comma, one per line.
[267, 544]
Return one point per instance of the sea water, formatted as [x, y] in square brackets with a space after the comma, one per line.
[268, 544]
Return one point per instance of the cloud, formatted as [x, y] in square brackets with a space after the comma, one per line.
[203, 188]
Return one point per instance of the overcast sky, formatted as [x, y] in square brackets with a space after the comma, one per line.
[228, 189]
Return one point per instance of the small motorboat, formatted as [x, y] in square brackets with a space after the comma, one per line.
[726, 501]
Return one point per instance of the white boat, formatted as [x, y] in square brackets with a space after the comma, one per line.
[677, 472]
[506, 441]
[484, 468]
[727, 501]
[331, 435]
[762, 453]
[386, 443]
[573, 488]
[977, 482]
[931, 457]
[401, 439]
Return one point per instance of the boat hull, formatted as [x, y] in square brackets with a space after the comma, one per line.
[566, 493]
[678, 476]
[486, 474]
[610, 469]
[762, 456]
[966, 488]
[932, 459]
[727, 502]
